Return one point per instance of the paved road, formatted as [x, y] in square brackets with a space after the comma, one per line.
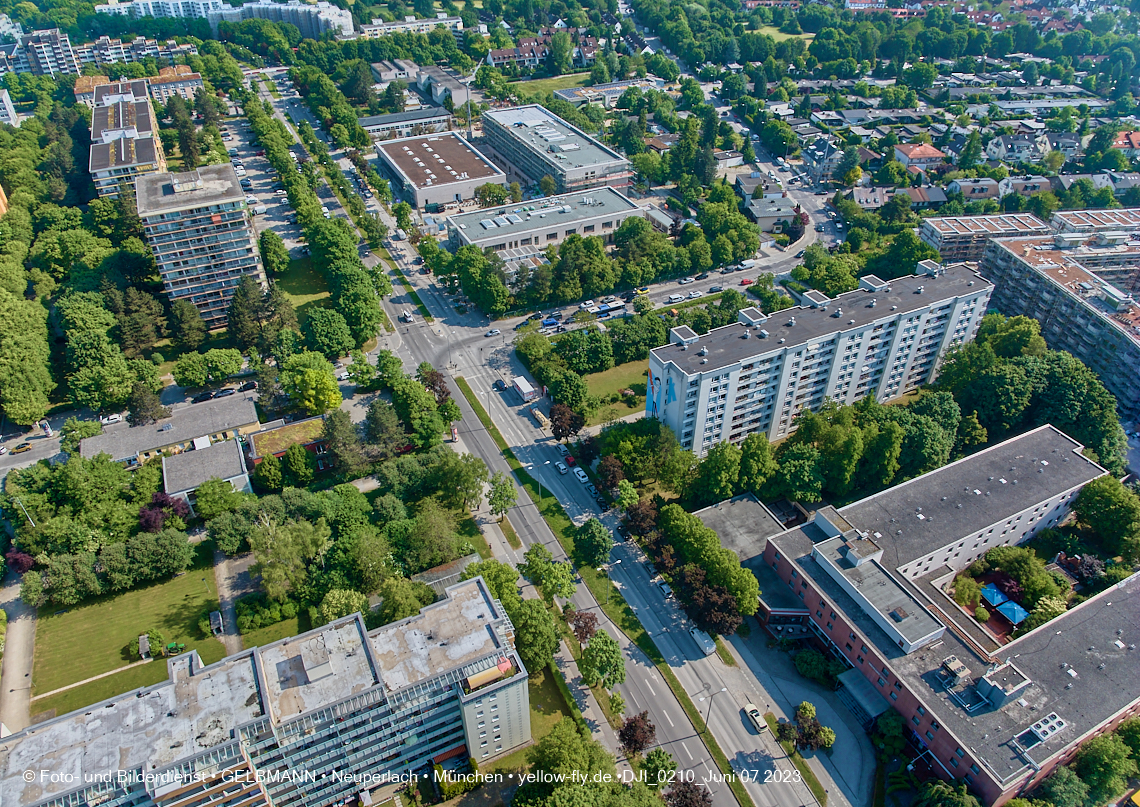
[19, 646]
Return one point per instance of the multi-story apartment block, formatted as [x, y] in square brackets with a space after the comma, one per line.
[105, 50]
[336, 715]
[123, 137]
[202, 236]
[410, 25]
[178, 80]
[532, 142]
[964, 238]
[1096, 221]
[8, 110]
[312, 19]
[868, 582]
[49, 52]
[162, 8]
[9, 29]
[1080, 288]
[757, 374]
[85, 89]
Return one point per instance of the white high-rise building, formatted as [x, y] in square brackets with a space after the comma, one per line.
[756, 375]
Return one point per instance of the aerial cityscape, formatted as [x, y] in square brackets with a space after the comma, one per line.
[537, 403]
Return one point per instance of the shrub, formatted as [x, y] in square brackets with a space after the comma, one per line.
[981, 614]
[464, 783]
[967, 592]
[157, 359]
[258, 611]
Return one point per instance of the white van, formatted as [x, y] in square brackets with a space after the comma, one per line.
[703, 640]
[676, 298]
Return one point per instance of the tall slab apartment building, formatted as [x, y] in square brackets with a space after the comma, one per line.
[883, 339]
[334, 716]
[202, 235]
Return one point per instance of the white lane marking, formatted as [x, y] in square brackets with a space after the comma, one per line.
[687, 751]
[647, 686]
[667, 718]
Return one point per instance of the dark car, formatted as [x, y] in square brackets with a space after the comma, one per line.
[715, 289]
[556, 315]
[21, 448]
[247, 386]
[703, 276]
[225, 393]
[500, 385]
[602, 504]
[628, 297]
[202, 397]
[726, 270]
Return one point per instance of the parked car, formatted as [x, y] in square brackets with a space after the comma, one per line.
[676, 298]
[800, 254]
[661, 584]
[643, 290]
[225, 393]
[570, 460]
[702, 276]
[500, 385]
[109, 419]
[578, 472]
[562, 449]
[755, 718]
[202, 397]
[561, 467]
[593, 491]
[21, 448]
[586, 304]
[687, 280]
[247, 386]
[715, 289]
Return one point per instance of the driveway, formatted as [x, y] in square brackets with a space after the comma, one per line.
[234, 580]
[19, 647]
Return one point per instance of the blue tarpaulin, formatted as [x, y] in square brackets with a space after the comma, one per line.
[992, 595]
[1013, 612]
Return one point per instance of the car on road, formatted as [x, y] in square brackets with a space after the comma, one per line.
[687, 280]
[562, 449]
[661, 584]
[715, 289]
[800, 254]
[695, 294]
[609, 299]
[493, 332]
[755, 718]
[225, 393]
[728, 270]
[578, 472]
[676, 298]
[109, 419]
[586, 304]
[21, 448]
[202, 397]
[343, 376]
[702, 276]
[247, 386]
[603, 505]
[593, 491]
[500, 385]
[561, 467]
[643, 290]
[628, 297]
[745, 281]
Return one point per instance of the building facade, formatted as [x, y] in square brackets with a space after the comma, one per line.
[48, 53]
[124, 143]
[544, 222]
[8, 110]
[179, 80]
[105, 50]
[356, 711]
[531, 142]
[410, 25]
[162, 8]
[202, 236]
[756, 375]
[406, 124]
[1096, 221]
[313, 20]
[869, 583]
[1081, 288]
[964, 238]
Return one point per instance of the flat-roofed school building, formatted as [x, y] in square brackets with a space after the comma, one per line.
[437, 168]
[544, 222]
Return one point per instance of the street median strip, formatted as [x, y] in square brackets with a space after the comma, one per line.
[609, 599]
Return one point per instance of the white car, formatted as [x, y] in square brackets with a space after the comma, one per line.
[109, 419]
[561, 467]
[676, 298]
[342, 377]
[687, 280]
[755, 718]
[578, 472]
[586, 304]
[563, 450]
[695, 294]
[251, 200]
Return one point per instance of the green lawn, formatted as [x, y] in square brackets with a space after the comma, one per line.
[780, 36]
[96, 691]
[92, 638]
[631, 375]
[543, 86]
[304, 286]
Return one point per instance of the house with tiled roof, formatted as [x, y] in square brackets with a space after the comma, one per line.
[920, 155]
[1129, 143]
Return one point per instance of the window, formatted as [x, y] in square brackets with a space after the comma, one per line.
[914, 720]
[848, 646]
[898, 685]
[552, 236]
[882, 683]
[894, 696]
[929, 735]
[954, 762]
[959, 752]
[829, 626]
[974, 769]
[589, 228]
[859, 659]
[833, 615]
[921, 711]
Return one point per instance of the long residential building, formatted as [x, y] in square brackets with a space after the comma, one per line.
[313, 20]
[533, 226]
[406, 124]
[42, 53]
[1081, 288]
[756, 375]
[964, 238]
[531, 142]
[334, 716]
[410, 25]
[202, 236]
[1096, 221]
[868, 582]
[106, 50]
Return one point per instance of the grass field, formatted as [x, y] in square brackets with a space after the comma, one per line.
[780, 36]
[631, 375]
[92, 638]
[542, 86]
[304, 286]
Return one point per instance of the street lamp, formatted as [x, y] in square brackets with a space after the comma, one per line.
[538, 476]
[708, 714]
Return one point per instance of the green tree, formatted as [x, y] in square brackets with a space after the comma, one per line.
[536, 634]
[187, 329]
[491, 195]
[936, 793]
[593, 542]
[32, 589]
[503, 495]
[214, 497]
[501, 578]
[717, 476]
[267, 474]
[308, 379]
[339, 602]
[627, 495]
[1112, 511]
[972, 152]
[460, 478]
[297, 465]
[602, 662]
[659, 767]
[553, 579]
[145, 406]
[383, 431]
[343, 440]
[1064, 788]
[799, 476]
[401, 598]
[757, 464]
[547, 185]
[1105, 764]
[283, 552]
[326, 332]
[74, 431]
[274, 253]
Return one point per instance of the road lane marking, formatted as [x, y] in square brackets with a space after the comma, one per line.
[666, 714]
[650, 688]
[687, 751]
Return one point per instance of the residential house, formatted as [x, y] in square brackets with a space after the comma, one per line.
[1129, 143]
[276, 437]
[1063, 182]
[1023, 186]
[188, 428]
[1018, 148]
[183, 474]
[662, 143]
[769, 188]
[1122, 183]
[1067, 143]
[771, 215]
[925, 197]
[919, 155]
[822, 157]
[727, 159]
[975, 189]
[85, 89]
[870, 199]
